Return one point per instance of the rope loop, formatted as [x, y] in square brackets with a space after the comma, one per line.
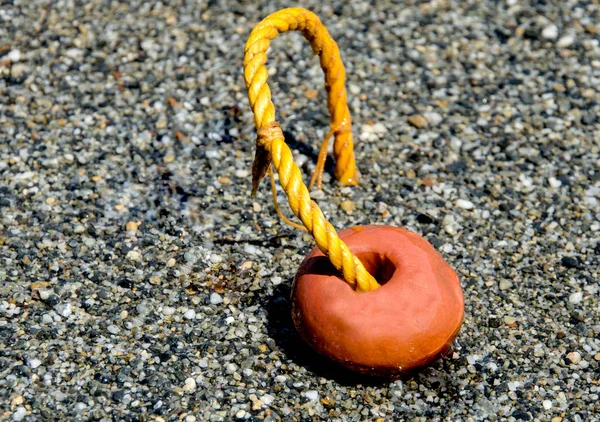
[272, 149]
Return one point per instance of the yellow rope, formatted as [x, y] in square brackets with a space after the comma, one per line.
[298, 19]
[271, 145]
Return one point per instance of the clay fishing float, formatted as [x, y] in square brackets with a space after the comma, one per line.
[379, 300]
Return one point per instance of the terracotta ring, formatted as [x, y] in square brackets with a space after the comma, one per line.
[410, 321]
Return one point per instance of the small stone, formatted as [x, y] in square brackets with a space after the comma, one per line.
[190, 384]
[78, 229]
[433, 119]
[14, 55]
[573, 358]
[312, 395]
[565, 41]
[509, 320]
[505, 284]
[190, 314]
[190, 418]
[554, 182]
[311, 93]
[215, 299]
[240, 414]
[570, 262]
[63, 309]
[39, 285]
[161, 124]
[169, 158]
[19, 414]
[347, 206]
[134, 256]
[550, 32]
[597, 357]
[113, 329]
[464, 204]
[242, 173]
[131, 226]
[547, 404]
[417, 121]
[34, 363]
[576, 297]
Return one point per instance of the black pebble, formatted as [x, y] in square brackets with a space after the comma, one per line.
[570, 262]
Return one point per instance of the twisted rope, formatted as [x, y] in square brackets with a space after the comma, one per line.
[298, 19]
[271, 146]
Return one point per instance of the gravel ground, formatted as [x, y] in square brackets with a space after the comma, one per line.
[139, 281]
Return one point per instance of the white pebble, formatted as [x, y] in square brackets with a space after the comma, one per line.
[216, 299]
[168, 310]
[550, 32]
[113, 329]
[267, 399]
[554, 182]
[576, 297]
[433, 118]
[190, 314]
[215, 258]
[471, 359]
[211, 153]
[242, 173]
[312, 395]
[240, 414]
[565, 41]
[19, 414]
[63, 309]
[281, 378]
[190, 384]
[251, 249]
[464, 204]
[547, 404]
[134, 256]
[14, 56]
[34, 363]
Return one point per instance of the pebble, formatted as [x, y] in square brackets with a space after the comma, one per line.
[433, 119]
[550, 32]
[505, 284]
[565, 41]
[190, 314]
[547, 404]
[464, 204]
[347, 206]
[312, 395]
[215, 299]
[576, 297]
[34, 363]
[134, 256]
[417, 121]
[573, 358]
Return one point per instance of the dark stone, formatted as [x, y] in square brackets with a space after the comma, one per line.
[570, 262]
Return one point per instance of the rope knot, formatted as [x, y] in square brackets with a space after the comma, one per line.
[262, 158]
[266, 134]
